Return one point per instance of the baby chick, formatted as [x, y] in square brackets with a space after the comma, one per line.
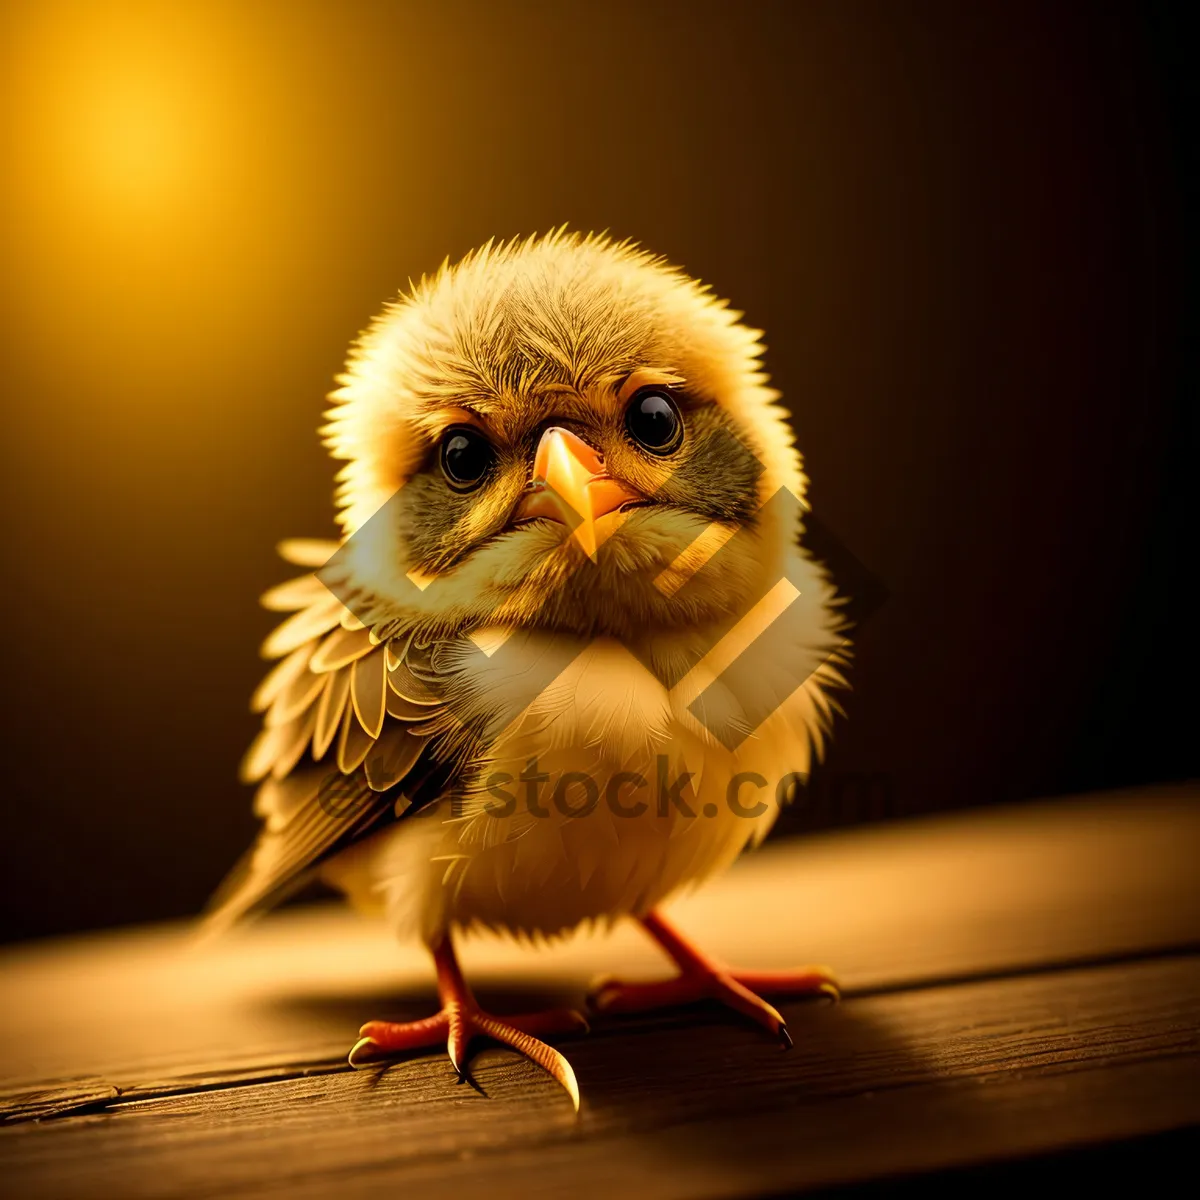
[568, 657]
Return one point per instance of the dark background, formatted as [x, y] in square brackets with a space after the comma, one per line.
[963, 227]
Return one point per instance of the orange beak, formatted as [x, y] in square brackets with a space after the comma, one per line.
[569, 485]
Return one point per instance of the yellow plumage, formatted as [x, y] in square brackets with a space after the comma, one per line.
[612, 522]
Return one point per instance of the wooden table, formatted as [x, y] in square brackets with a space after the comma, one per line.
[1017, 982]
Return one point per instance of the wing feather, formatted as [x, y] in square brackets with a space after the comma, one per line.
[341, 648]
[353, 742]
[351, 622]
[279, 677]
[267, 749]
[307, 552]
[335, 684]
[293, 749]
[408, 685]
[318, 618]
[403, 709]
[369, 689]
[330, 710]
[298, 697]
[391, 758]
[294, 594]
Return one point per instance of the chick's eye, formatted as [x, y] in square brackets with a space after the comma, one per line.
[654, 421]
[466, 457]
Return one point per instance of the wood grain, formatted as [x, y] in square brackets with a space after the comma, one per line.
[969, 896]
[880, 1084]
[1017, 981]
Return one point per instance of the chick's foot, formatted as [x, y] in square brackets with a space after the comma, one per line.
[700, 978]
[461, 1021]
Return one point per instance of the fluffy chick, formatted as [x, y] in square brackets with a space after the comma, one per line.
[514, 696]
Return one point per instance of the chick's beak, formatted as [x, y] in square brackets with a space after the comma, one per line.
[569, 484]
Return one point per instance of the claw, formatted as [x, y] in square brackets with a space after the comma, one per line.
[566, 1076]
[546, 1057]
[461, 1019]
[461, 1024]
[465, 1076]
[358, 1057]
[700, 978]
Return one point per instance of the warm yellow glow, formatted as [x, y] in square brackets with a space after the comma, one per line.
[131, 146]
[121, 112]
[164, 173]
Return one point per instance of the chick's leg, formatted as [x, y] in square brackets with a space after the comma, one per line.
[461, 1020]
[701, 978]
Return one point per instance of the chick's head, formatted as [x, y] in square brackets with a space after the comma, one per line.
[555, 434]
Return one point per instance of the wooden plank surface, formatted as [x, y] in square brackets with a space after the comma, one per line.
[1017, 981]
[899, 1082]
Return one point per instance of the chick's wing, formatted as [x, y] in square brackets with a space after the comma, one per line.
[346, 742]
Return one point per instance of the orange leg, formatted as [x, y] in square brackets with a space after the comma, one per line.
[700, 978]
[461, 1020]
